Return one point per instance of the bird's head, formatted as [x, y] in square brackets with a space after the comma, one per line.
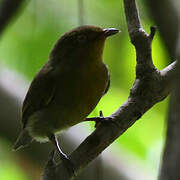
[84, 42]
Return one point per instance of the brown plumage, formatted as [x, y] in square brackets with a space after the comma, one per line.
[68, 86]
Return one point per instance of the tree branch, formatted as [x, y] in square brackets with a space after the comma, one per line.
[167, 17]
[149, 88]
[8, 9]
[171, 156]
[167, 20]
[12, 91]
[132, 17]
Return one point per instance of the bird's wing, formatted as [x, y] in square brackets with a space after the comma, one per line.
[40, 93]
[108, 83]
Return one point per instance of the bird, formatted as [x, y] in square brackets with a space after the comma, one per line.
[67, 88]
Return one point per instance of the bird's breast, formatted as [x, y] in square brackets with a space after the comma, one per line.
[79, 91]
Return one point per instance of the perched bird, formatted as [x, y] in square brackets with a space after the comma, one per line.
[67, 88]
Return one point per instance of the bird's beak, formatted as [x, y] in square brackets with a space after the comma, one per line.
[110, 31]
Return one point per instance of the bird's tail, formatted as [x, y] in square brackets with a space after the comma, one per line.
[24, 139]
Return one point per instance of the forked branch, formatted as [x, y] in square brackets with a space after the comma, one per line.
[150, 87]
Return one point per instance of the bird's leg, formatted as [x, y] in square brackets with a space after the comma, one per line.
[54, 140]
[65, 159]
[97, 120]
[101, 119]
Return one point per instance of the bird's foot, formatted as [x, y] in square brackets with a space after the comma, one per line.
[102, 120]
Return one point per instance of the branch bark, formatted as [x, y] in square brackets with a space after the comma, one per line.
[171, 155]
[168, 22]
[150, 87]
[167, 17]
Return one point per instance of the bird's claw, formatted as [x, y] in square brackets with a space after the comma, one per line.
[102, 120]
[105, 121]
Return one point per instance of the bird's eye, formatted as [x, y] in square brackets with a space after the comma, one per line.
[81, 38]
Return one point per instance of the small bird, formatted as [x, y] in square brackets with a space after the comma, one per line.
[67, 88]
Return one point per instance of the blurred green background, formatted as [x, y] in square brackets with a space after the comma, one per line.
[26, 44]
